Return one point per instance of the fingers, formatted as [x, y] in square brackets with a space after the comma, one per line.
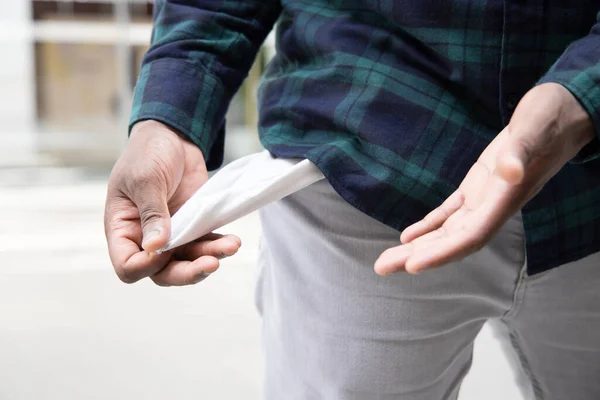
[183, 273]
[188, 265]
[444, 250]
[432, 250]
[463, 233]
[140, 265]
[393, 259]
[123, 233]
[218, 246]
[195, 261]
[434, 219]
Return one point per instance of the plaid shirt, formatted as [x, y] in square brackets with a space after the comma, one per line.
[393, 99]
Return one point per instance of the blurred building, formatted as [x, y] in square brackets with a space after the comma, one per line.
[67, 77]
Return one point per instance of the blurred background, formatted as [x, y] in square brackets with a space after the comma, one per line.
[68, 328]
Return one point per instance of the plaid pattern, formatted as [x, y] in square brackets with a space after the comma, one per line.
[393, 99]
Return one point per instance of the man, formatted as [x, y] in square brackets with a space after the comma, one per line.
[489, 108]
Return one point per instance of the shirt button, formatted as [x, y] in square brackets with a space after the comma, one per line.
[511, 101]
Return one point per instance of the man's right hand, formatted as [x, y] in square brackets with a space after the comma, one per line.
[158, 172]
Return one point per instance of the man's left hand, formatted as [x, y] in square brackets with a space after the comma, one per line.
[548, 128]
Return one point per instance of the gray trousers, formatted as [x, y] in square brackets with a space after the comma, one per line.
[333, 329]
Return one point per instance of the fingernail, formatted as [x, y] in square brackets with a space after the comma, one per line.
[150, 235]
[202, 276]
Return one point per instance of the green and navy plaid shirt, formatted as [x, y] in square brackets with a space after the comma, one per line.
[394, 100]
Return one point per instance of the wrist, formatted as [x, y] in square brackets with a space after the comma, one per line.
[148, 126]
[143, 130]
[573, 119]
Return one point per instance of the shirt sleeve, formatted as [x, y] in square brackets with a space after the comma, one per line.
[578, 69]
[200, 53]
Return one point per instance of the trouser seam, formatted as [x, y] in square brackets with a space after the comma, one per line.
[524, 361]
[465, 371]
[518, 293]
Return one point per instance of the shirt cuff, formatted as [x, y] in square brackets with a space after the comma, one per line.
[585, 87]
[186, 98]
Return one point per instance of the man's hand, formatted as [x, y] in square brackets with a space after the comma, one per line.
[158, 172]
[548, 128]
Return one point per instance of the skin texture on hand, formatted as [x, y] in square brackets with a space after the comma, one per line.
[548, 128]
[157, 173]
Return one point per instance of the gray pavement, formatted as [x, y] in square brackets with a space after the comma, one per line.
[70, 330]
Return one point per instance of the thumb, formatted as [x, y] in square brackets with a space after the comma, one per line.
[510, 166]
[515, 156]
[530, 134]
[154, 216]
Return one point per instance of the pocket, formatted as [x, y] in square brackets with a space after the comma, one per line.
[238, 189]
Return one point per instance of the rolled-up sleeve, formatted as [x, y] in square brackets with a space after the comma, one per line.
[578, 69]
[200, 54]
